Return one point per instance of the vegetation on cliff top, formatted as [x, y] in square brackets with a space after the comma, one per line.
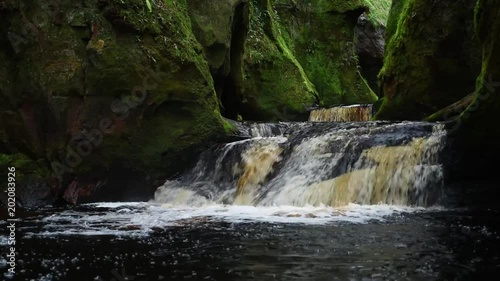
[378, 11]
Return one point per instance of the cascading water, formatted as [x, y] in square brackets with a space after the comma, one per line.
[318, 164]
[352, 113]
[305, 194]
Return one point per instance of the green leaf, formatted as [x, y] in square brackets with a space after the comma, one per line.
[149, 6]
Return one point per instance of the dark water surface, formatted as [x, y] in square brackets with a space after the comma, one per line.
[418, 245]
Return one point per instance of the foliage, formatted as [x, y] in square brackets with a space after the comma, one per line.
[378, 11]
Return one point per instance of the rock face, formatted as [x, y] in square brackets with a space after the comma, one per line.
[370, 47]
[221, 27]
[275, 84]
[321, 34]
[271, 60]
[442, 60]
[90, 88]
[432, 57]
[476, 131]
[106, 97]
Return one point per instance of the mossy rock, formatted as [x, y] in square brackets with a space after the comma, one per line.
[32, 180]
[301, 54]
[158, 79]
[213, 23]
[221, 27]
[321, 34]
[431, 59]
[476, 132]
[378, 11]
[262, 61]
[276, 87]
[393, 17]
[142, 73]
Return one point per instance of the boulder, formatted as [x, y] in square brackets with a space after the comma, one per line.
[90, 87]
[432, 57]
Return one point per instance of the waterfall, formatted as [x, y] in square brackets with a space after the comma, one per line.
[353, 113]
[330, 164]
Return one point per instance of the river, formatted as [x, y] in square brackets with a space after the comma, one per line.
[288, 201]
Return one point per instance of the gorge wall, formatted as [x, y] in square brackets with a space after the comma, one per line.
[109, 97]
[275, 58]
[476, 129]
[432, 57]
[441, 64]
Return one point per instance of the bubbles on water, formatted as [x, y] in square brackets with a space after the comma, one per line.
[143, 219]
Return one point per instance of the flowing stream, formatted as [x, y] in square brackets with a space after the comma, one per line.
[290, 201]
[352, 113]
[324, 164]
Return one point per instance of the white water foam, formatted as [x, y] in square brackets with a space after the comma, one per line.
[141, 219]
[395, 164]
[4, 240]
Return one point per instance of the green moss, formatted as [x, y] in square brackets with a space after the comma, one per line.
[229, 128]
[329, 6]
[212, 23]
[137, 15]
[394, 16]
[275, 83]
[321, 35]
[475, 133]
[4, 161]
[430, 59]
[378, 11]
[283, 44]
[26, 169]
[180, 111]
[74, 79]
[483, 110]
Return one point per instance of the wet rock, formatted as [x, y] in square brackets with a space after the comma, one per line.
[101, 85]
[370, 45]
[432, 58]
[476, 132]
[267, 66]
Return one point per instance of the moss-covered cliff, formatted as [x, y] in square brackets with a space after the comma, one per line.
[98, 94]
[441, 64]
[280, 57]
[88, 87]
[321, 34]
[432, 57]
[476, 131]
[273, 79]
